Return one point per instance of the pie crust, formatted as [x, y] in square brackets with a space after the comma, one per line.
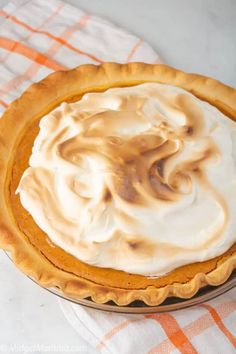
[31, 249]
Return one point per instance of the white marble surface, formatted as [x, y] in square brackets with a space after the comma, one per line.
[194, 35]
[31, 317]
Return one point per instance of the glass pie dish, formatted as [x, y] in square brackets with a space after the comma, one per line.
[66, 233]
[138, 307]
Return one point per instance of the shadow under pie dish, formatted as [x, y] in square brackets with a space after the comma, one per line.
[129, 191]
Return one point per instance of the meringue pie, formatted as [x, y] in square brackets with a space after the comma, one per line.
[119, 182]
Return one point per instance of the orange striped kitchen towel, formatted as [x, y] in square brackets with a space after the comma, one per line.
[208, 328]
[41, 36]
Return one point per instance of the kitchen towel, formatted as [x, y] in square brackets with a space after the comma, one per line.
[208, 328]
[38, 37]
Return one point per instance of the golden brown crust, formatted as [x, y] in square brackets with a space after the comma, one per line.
[22, 117]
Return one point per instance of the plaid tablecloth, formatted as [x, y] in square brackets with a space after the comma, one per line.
[41, 36]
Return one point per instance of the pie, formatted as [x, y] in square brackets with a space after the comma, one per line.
[118, 182]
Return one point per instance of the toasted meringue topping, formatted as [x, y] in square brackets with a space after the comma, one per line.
[141, 179]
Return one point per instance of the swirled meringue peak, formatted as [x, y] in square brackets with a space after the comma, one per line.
[140, 179]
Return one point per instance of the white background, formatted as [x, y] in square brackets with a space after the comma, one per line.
[193, 35]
